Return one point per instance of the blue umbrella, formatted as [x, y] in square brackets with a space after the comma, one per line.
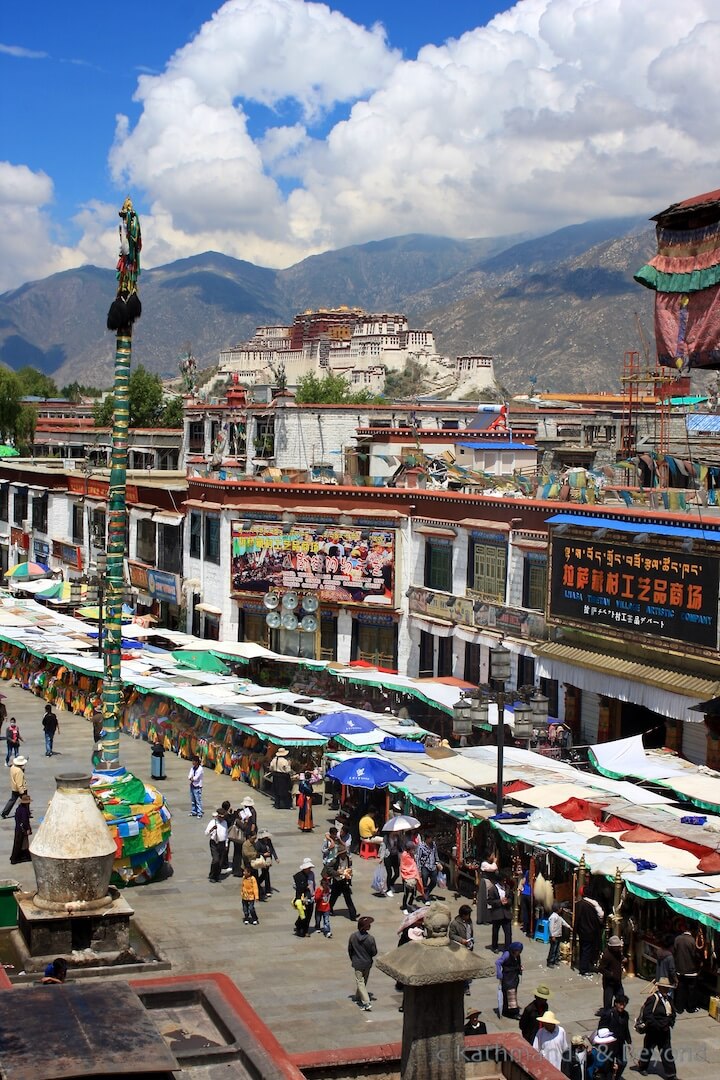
[341, 723]
[367, 772]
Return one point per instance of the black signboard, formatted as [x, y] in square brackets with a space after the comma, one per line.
[635, 590]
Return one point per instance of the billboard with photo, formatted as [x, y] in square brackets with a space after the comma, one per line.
[635, 589]
[343, 565]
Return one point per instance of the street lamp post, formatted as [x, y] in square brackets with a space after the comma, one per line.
[499, 675]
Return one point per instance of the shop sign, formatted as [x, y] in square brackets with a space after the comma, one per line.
[138, 574]
[83, 485]
[41, 551]
[478, 614]
[71, 554]
[626, 589]
[164, 586]
[344, 566]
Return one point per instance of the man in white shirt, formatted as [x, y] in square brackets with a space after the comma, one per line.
[195, 776]
[217, 830]
[551, 1040]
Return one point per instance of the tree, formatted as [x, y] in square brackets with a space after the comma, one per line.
[34, 383]
[146, 408]
[329, 390]
[407, 383]
[75, 391]
[25, 429]
[10, 404]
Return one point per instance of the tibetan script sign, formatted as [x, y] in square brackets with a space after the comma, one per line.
[666, 594]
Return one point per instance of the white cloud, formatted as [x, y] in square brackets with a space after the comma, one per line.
[21, 53]
[556, 111]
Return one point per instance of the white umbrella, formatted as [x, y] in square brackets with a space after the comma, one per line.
[400, 823]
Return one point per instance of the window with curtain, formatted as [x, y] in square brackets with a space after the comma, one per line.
[78, 522]
[4, 502]
[212, 538]
[145, 550]
[20, 508]
[487, 569]
[438, 565]
[40, 512]
[170, 545]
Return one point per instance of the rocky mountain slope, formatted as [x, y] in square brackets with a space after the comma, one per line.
[558, 307]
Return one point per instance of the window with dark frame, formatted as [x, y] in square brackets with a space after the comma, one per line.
[212, 538]
[20, 507]
[427, 655]
[195, 534]
[473, 655]
[4, 500]
[146, 540]
[438, 565]
[487, 568]
[40, 512]
[445, 657]
[78, 523]
[170, 548]
[534, 581]
[550, 689]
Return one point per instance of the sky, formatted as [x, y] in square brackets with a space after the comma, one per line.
[271, 130]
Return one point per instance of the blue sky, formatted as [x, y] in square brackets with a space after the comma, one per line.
[285, 127]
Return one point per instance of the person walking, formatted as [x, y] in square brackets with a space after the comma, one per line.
[658, 1019]
[281, 780]
[500, 912]
[13, 738]
[18, 784]
[611, 966]
[21, 843]
[617, 1021]
[588, 925]
[526, 903]
[508, 969]
[665, 961]
[410, 875]
[556, 924]
[428, 863]
[51, 727]
[322, 907]
[247, 815]
[217, 830]
[340, 873]
[304, 881]
[362, 950]
[529, 1018]
[249, 894]
[265, 850]
[551, 1041]
[305, 804]
[688, 959]
[391, 861]
[195, 777]
[488, 870]
[601, 1059]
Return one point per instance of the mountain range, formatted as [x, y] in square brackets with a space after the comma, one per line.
[556, 311]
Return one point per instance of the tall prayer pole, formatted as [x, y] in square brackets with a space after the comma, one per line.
[124, 310]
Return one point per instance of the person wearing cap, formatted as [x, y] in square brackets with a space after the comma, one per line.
[617, 1021]
[658, 1019]
[362, 950]
[340, 873]
[247, 815]
[688, 960]
[18, 783]
[281, 780]
[529, 1017]
[217, 830]
[265, 850]
[611, 966]
[304, 881]
[588, 925]
[473, 1024]
[601, 1062]
[551, 1041]
[21, 843]
[499, 902]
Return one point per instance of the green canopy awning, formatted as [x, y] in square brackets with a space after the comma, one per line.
[201, 661]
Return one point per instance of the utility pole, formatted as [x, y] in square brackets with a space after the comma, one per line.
[124, 310]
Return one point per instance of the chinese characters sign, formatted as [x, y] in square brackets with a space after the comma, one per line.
[351, 566]
[635, 590]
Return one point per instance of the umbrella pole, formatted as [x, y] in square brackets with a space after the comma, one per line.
[123, 312]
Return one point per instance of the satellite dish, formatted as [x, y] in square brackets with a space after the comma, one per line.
[288, 621]
[271, 600]
[290, 601]
[309, 623]
[310, 602]
[273, 619]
